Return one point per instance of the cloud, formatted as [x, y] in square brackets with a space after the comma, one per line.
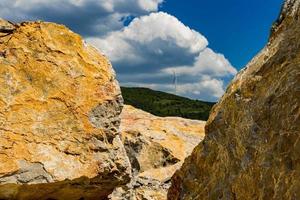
[207, 62]
[150, 5]
[207, 87]
[151, 48]
[151, 43]
[87, 17]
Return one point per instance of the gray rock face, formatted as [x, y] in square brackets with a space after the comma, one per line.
[106, 116]
[29, 173]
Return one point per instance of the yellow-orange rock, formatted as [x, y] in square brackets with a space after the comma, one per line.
[156, 147]
[59, 116]
[251, 148]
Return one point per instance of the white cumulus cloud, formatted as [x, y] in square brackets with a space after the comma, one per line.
[151, 48]
[88, 17]
[149, 5]
[155, 41]
[208, 62]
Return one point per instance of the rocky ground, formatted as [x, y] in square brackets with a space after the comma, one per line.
[156, 147]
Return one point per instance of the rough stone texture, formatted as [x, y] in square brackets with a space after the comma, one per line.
[59, 116]
[156, 147]
[6, 27]
[252, 145]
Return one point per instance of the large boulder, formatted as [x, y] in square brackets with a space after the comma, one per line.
[59, 116]
[252, 145]
[156, 147]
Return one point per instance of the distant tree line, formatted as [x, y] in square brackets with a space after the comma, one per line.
[164, 104]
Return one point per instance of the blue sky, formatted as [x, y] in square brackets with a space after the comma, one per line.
[237, 28]
[205, 43]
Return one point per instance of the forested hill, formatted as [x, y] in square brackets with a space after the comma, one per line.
[165, 104]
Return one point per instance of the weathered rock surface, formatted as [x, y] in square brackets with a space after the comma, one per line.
[252, 145]
[6, 27]
[59, 116]
[156, 147]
